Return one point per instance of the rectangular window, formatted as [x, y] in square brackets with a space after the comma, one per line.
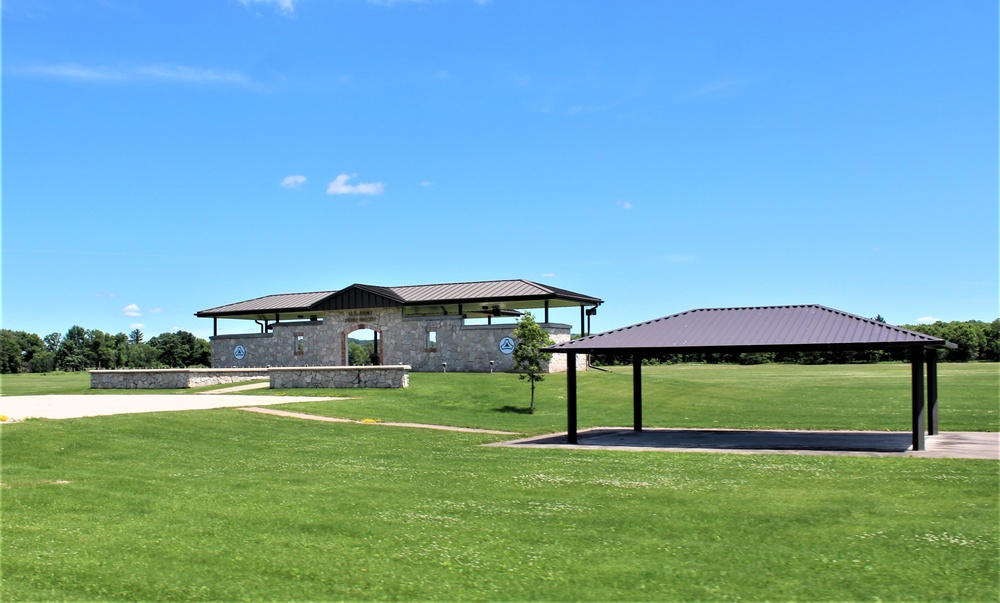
[300, 344]
[431, 343]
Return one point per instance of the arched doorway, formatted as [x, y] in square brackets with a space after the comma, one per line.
[363, 347]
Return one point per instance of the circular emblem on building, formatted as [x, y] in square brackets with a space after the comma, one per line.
[240, 352]
[507, 345]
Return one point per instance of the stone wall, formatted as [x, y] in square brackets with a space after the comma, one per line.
[340, 377]
[171, 378]
[465, 348]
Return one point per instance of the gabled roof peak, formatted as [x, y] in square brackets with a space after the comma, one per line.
[753, 328]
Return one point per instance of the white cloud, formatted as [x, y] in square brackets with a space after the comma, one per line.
[340, 187]
[927, 320]
[155, 310]
[195, 75]
[285, 7]
[426, 183]
[293, 182]
[131, 310]
[721, 88]
[159, 72]
[623, 204]
[137, 325]
[548, 275]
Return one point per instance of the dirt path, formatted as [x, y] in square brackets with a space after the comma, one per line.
[299, 415]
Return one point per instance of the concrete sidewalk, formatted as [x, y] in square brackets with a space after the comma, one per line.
[954, 444]
[73, 406]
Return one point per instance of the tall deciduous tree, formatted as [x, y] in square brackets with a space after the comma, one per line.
[528, 354]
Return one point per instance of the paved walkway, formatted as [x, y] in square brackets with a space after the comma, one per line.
[72, 406]
[954, 444]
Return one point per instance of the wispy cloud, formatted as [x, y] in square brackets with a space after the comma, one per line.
[720, 88]
[155, 310]
[154, 73]
[70, 71]
[927, 320]
[340, 187]
[426, 183]
[548, 275]
[285, 7]
[137, 325]
[105, 295]
[293, 182]
[395, 2]
[131, 310]
[195, 75]
[623, 204]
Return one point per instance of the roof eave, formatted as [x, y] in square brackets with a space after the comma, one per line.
[568, 348]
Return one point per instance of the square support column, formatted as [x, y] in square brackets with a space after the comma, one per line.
[932, 393]
[637, 392]
[571, 398]
[917, 393]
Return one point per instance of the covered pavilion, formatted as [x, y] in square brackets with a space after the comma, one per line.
[762, 329]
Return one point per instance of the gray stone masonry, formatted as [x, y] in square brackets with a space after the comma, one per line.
[171, 378]
[340, 377]
[464, 348]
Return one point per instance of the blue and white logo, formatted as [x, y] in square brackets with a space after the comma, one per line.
[507, 345]
[240, 352]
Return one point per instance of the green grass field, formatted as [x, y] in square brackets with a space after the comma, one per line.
[229, 505]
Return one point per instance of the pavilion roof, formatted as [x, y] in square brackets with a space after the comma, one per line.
[507, 293]
[764, 328]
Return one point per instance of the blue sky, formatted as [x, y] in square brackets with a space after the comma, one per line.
[161, 157]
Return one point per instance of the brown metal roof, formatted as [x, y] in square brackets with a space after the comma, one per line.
[487, 291]
[282, 302]
[515, 291]
[753, 329]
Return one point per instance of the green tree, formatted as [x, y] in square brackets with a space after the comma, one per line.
[42, 362]
[528, 354]
[359, 354]
[52, 341]
[10, 352]
[181, 350]
[135, 337]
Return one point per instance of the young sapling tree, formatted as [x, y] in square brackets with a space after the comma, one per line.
[528, 354]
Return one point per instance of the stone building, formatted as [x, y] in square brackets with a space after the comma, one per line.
[452, 326]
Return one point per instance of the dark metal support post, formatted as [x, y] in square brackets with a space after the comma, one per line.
[215, 326]
[932, 393]
[546, 311]
[377, 358]
[583, 319]
[917, 393]
[571, 398]
[637, 392]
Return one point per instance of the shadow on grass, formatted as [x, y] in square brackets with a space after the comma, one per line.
[516, 409]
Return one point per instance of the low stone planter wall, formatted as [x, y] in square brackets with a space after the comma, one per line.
[171, 378]
[395, 376]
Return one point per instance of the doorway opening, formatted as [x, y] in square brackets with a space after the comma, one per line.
[363, 347]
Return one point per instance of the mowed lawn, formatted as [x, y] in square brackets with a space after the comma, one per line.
[231, 505]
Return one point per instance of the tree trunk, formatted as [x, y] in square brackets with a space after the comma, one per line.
[531, 410]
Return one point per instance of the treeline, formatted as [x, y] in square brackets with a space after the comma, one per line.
[82, 349]
[976, 340]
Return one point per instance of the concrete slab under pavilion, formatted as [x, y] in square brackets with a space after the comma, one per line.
[958, 444]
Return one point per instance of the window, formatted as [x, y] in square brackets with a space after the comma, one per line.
[300, 340]
[431, 343]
